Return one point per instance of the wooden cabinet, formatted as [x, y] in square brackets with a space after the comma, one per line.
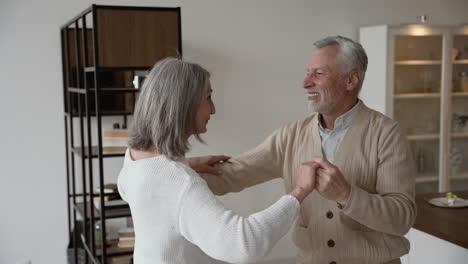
[416, 75]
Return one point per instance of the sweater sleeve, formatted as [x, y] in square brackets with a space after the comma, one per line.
[261, 164]
[226, 236]
[392, 209]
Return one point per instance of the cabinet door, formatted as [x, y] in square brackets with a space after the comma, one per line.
[417, 74]
[458, 158]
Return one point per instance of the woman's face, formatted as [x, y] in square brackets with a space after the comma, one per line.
[205, 110]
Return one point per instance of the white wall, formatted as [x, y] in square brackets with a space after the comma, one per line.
[256, 50]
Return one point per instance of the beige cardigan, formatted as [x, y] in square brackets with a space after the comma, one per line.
[375, 159]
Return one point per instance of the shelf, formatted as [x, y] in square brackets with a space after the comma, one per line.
[459, 135]
[113, 249]
[110, 211]
[459, 94]
[423, 137]
[460, 62]
[418, 62]
[104, 90]
[103, 113]
[433, 177]
[460, 176]
[416, 95]
[426, 178]
[124, 68]
[94, 153]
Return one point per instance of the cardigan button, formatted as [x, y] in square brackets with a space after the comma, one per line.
[331, 243]
[329, 215]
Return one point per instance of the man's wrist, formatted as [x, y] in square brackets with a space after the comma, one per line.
[343, 201]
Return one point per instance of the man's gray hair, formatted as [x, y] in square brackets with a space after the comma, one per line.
[165, 113]
[352, 53]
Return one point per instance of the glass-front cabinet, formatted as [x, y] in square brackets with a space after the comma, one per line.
[458, 144]
[418, 75]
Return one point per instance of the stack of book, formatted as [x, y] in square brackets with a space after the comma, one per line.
[111, 197]
[114, 141]
[122, 259]
[126, 237]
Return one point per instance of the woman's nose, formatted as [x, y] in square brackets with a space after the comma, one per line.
[213, 108]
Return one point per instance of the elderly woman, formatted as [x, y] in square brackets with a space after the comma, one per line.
[177, 219]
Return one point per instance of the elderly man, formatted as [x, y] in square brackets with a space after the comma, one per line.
[364, 199]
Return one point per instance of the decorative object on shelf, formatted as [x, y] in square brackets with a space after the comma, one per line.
[420, 158]
[422, 19]
[98, 234]
[455, 54]
[456, 159]
[138, 78]
[463, 81]
[460, 122]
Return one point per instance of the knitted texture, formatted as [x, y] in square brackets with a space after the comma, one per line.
[374, 158]
[177, 219]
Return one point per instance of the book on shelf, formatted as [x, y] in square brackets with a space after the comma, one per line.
[126, 242]
[122, 259]
[126, 232]
[113, 248]
[115, 140]
[112, 203]
[108, 197]
[108, 188]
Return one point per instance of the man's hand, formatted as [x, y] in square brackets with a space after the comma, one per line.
[305, 180]
[330, 182]
[205, 164]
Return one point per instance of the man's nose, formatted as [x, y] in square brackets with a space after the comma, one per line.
[307, 82]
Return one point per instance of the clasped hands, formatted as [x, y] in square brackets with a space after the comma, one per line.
[320, 175]
[317, 174]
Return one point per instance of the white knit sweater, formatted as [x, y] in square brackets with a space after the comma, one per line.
[177, 219]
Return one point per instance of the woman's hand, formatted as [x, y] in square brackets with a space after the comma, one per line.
[204, 164]
[305, 180]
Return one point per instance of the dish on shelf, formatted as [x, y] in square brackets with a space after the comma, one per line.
[444, 202]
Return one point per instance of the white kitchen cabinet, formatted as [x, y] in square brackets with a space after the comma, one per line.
[418, 75]
[428, 249]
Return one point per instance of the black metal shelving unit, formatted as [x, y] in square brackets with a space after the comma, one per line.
[104, 41]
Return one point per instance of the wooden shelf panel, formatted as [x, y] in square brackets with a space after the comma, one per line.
[459, 135]
[122, 68]
[433, 177]
[421, 178]
[418, 62]
[104, 90]
[94, 152]
[423, 137]
[460, 94]
[114, 250]
[110, 212]
[460, 62]
[416, 95]
[107, 113]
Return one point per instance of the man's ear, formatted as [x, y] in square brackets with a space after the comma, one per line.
[352, 83]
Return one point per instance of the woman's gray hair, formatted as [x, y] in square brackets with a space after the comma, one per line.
[165, 113]
[352, 54]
